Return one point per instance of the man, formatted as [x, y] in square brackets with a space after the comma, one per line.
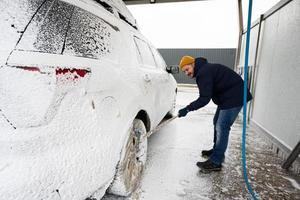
[225, 88]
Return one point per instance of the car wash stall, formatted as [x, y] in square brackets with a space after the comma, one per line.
[273, 116]
[91, 93]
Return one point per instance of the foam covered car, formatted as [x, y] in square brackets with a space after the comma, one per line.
[81, 89]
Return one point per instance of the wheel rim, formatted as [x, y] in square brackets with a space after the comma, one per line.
[133, 165]
[133, 159]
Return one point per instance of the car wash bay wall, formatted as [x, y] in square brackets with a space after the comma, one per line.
[275, 110]
[173, 56]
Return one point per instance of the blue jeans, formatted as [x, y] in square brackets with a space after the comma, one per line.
[223, 121]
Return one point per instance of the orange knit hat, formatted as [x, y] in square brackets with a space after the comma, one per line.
[186, 60]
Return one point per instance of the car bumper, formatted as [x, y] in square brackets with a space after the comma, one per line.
[37, 164]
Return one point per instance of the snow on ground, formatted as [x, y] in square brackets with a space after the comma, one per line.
[171, 172]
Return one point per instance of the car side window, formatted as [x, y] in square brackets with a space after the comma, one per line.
[158, 58]
[145, 53]
[90, 36]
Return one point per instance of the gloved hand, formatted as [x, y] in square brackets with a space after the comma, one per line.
[183, 112]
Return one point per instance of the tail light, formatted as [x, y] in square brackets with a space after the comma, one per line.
[74, 73]
[32, 69]
[60, 71]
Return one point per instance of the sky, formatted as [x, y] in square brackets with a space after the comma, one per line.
[202, 24]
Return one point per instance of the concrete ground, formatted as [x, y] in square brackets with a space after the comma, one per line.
[171, 172]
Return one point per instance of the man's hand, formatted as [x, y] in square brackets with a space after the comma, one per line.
[183, 112]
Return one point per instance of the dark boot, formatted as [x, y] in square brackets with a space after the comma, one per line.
[209, 166]
[207, 153]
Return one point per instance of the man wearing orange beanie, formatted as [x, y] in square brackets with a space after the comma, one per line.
[225, 88]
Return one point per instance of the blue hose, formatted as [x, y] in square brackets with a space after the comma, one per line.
[245, 103]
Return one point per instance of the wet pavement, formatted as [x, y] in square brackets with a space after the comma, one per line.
[171, 172]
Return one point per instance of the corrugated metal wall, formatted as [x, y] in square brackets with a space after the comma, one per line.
[276, 104]
[222, 56]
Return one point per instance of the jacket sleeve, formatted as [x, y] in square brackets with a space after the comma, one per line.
[205, 85]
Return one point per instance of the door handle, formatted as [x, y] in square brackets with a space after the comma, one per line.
[147, 77]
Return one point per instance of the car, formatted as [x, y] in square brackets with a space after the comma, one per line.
[81, 90]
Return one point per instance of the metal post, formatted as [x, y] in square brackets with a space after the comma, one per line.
[292, 157]
[254, 68]
[241, 29]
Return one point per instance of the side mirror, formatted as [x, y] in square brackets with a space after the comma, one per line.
[173, 69]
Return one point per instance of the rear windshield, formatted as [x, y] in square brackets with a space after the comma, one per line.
[61, 28]
[14, 17]
[48, 28]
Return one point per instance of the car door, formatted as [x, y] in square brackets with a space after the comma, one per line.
[150, 75]
[166, 89]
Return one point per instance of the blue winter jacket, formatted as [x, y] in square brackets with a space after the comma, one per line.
[219, 83]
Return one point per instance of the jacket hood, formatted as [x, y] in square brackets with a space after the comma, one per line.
[199, 62]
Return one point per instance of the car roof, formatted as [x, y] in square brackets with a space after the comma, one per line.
[118, 6]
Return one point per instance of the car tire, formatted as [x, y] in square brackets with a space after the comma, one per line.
[132, 162]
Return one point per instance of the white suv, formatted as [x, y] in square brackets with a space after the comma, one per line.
[80, 91]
